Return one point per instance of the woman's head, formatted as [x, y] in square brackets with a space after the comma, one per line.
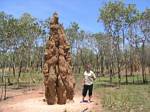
[88, 67]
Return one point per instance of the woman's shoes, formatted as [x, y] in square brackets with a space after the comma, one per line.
[90, 101]
[86, 101]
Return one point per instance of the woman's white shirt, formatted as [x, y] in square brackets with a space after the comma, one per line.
[89, 77]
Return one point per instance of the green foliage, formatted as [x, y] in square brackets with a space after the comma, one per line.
[126, 30]
[72, 32]
[112, 15]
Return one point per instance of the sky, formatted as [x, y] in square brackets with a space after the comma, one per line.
[83, 12]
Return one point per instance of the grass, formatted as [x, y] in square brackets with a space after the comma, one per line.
[26, 79]
[128, 98]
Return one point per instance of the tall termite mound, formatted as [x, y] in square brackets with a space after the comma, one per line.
[58, 78]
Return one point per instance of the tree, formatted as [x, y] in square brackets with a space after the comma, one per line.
[29, 32]
[73, 36]
[112, 15]
[103, 43]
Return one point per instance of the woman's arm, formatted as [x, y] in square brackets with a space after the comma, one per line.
[93, 75]
[83, 80]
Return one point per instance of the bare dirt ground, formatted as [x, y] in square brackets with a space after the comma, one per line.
[24, 100]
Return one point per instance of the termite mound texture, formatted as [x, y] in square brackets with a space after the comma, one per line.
[58, 78]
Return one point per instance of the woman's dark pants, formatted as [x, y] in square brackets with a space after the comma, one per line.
[87, 88]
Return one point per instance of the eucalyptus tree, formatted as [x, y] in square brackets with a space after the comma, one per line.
[138, 35]
[112, 14]
[72, 33]
[144, 24]
[8, 38]
[29, 32]
[8, 33]
[103, 43]
[131, 16]
[3, 49]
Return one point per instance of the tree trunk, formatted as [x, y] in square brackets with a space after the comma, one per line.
[3, 72]
[126, 73]
[110, 73]
[97, 67]
[5, 88]
[14, 70]
[118, 63]
[19, 73]
[9, 73]
[118, 67]
[102, 65]
[143, 63]
[131, 66]
[1, 92]
[14, 66]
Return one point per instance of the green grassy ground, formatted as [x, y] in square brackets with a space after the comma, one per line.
[126, 98]
[26, 79]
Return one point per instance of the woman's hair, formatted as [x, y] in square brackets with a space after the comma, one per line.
[87, 66]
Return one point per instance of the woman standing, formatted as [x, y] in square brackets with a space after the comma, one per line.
[89, 77]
